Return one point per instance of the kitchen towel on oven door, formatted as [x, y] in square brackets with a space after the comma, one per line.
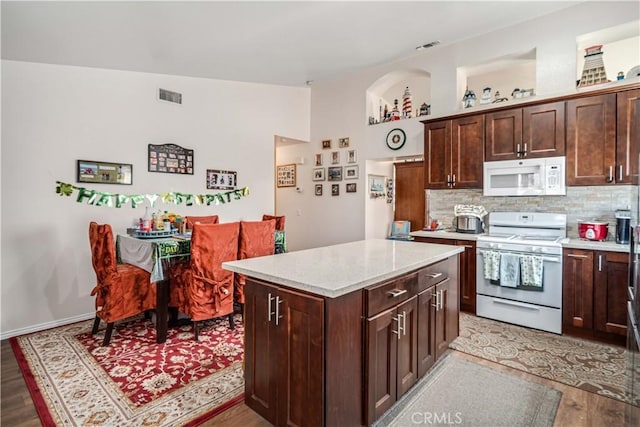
[509, 270]
[531, 270]
[491, 265]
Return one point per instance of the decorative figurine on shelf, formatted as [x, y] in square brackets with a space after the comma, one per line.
[620, 75]
[516, 93]
[385, 114]
[395, 113]
[406, 104]
[425, 109]
[593, 71]
[486, 96]
[499, 98]
[469, 98]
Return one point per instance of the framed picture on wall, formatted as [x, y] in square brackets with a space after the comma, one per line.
[104, 172]
[318, 160]
[351, 187]
[335, 173]
[377, 186]
[335, 157]
[351, 172]
[318, 189]
[221, 180]
[352, 156]
[326, 144]
[170, 158]
[318, 174]
[286, 175]
[335, 189]
[343, 142]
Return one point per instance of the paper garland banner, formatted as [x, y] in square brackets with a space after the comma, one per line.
[102, 198]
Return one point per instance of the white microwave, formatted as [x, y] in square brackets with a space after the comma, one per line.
[526, 177]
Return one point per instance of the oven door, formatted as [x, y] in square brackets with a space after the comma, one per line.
[549, 296]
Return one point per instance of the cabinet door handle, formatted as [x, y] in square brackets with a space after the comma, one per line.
[441, 299]
[397, 319]
[269, 307]
[610, 177]
[448, 180]
[599, 262]
[397, 292]
[577, 256]
[525, 149]
[453, 180]
[434, 275]
[436, 296]
[404, 323]
[278, 317]
[518, 150]
[620, 173]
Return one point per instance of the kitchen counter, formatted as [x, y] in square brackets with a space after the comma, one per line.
[445, 234]
[332, 271]
[610, 246]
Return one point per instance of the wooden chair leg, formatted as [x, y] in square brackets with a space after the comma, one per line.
[232, 324]
[195, 330]
[107, 334]
[96, 325]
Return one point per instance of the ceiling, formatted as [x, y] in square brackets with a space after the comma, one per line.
[285, 43]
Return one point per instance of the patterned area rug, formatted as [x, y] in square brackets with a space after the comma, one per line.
[133, 381]
[587, 365]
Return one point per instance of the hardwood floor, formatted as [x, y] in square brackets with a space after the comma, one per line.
[577, 408]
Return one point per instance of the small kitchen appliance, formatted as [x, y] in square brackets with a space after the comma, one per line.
[469, 219]
[623, 220]
[593, 230]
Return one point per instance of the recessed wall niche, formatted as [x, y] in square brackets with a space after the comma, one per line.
[384, 91]
[502, 75]
[620, 51]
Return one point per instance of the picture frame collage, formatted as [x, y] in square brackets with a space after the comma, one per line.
[339, 164]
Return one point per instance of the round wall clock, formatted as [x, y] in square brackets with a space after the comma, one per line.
[396, 139]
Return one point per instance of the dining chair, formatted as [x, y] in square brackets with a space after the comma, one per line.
[122, 290]
[257, 238]
[201, 288]
[207, 219]
[279, 221]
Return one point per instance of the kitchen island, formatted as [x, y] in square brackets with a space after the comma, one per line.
[335, 335]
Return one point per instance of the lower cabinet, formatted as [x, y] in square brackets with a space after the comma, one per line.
[317, 361]
[284, 355]
[467, 270]
[407, 332]
[594, 294]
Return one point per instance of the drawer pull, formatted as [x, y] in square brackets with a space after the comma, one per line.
[434, 275]
[577, 256]
[397, 292]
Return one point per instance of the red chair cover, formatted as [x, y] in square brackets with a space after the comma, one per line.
[279, 221]
[122, 290]
[256, 239]
[208, 219]
[202, 289]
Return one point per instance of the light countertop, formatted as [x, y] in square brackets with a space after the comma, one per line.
[445, 234]
[573, 243]
[332, 271]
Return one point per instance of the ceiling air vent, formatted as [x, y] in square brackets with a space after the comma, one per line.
[167, 95]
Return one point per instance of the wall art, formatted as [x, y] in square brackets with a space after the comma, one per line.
[286, 175]
[326, 144]
[352, 156]
[104, 172]
[351, 172]
[318, 160]
[318, 189]
[351, 187]
[221, 180]
[170, 158]
[377, 187]
[335, 173]
[318, 174]
[335, 189]
[335, 157]
[343, 142]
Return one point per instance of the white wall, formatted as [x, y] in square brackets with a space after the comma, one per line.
[339, 107]
[53, 115]
[378, 213]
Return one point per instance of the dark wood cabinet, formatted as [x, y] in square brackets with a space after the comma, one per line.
[591, 140]
[409, 194]
[577, 290]
[535, 131]
[426, 331]
[610, 292]
[595, 294]
[284, 355]
[467, 276]
[627, 136]
[391, 355]
[454, 153]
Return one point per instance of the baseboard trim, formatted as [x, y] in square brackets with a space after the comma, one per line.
[44, 326]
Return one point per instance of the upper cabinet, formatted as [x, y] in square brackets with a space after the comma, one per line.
[602, 139]
[535, 131]
[454, 153]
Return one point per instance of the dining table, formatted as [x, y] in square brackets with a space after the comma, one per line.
[156, 256]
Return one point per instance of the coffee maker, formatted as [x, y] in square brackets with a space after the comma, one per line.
[623, 219]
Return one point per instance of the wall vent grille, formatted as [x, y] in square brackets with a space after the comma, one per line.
[169, 96]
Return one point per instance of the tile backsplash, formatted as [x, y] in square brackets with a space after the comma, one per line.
[580, 203]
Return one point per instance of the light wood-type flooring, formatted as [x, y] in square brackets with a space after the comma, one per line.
[577, 408]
